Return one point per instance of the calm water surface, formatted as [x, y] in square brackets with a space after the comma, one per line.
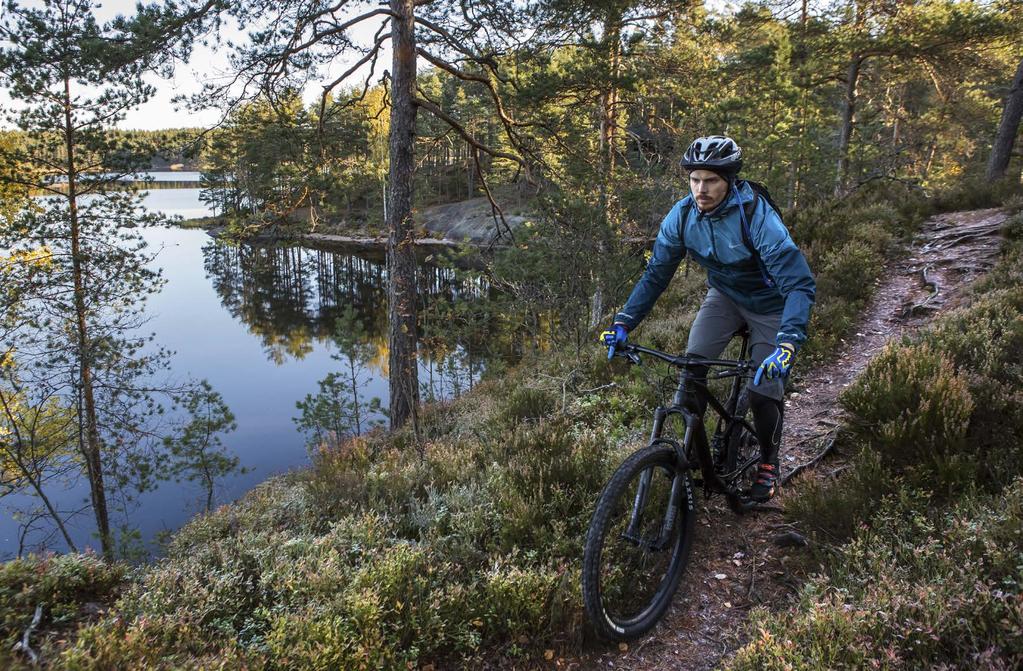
[255, 322]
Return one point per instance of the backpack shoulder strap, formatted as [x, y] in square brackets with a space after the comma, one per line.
[746, 215]
[683, 216]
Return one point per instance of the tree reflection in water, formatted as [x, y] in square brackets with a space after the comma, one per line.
[291, 297]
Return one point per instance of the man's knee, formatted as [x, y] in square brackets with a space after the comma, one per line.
[695, 400]
[760, 401]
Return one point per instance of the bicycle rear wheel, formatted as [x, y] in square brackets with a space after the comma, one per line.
[742, 455]
[638, 544]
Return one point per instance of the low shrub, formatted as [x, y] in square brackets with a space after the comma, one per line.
[525, 403]
[913, 409]
[912, 590]
[931, 577]
[63, 585]
[831, 510]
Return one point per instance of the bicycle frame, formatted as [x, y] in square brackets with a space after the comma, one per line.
[694, 442]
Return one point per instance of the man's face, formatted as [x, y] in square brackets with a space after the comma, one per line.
[708, 189]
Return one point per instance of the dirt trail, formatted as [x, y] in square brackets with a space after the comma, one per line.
[705, 622]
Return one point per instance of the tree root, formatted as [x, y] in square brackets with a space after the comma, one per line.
[958, 235]
[23, 645]
[813, 462]
[925, 305]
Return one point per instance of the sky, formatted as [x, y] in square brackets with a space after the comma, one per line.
[205, 63]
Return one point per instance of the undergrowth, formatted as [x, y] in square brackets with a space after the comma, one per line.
[920, 542]
[465, 544]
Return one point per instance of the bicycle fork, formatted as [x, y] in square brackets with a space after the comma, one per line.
[681, 491]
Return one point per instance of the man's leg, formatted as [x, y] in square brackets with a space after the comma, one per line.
[716, 322]
[766, 401]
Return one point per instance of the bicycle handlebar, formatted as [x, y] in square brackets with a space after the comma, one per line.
[632, 352]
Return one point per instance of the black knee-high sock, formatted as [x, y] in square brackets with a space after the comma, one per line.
[767, 418]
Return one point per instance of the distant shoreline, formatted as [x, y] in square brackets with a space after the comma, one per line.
[215, 226]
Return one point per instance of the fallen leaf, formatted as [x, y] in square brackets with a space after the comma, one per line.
[548, 654]
[624, 647]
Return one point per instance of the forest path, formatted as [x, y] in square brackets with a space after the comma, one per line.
[706, 621]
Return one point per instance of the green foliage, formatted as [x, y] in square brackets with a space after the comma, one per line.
[913, 409]
[941, 412]
[912, 590]
[525, 404]
[424, 558]
[833, 510]
[339, 409]
[65, 586]
[196, 453]
[929, 571]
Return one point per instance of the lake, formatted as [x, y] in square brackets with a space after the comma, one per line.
[256, 322]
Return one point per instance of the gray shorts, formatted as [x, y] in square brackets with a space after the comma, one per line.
[718, 320]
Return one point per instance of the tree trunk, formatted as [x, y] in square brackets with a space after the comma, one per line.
[608, 150]
[90, 447]
[845, 134]
[609, 99]
[401, 260]
[1008, 127]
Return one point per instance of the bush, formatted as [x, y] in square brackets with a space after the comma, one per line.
[913, 409]
[919, 585]
[62, 585]
[911, 591]
[525, 403]
[832, 510]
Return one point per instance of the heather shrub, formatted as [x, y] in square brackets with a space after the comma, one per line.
[931, 577]
[831, 510]
[912, 590]
[549, 479]
[913, 409]
[525, 403]
[66, 586]
[974, 194]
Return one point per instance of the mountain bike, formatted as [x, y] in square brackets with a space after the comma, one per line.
[640, 534]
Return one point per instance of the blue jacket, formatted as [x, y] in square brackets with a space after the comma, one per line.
[714, 240]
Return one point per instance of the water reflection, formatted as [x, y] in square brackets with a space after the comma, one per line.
[290, 296]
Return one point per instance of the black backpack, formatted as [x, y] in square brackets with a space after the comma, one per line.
[759, 192]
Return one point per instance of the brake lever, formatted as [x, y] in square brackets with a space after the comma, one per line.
[633, 357]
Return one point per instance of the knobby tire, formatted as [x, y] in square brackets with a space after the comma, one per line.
[741, 446]
[628, 585]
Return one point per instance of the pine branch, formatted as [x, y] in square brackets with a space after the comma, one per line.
[434, 109]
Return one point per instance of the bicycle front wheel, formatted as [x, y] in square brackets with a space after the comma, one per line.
[638, 544]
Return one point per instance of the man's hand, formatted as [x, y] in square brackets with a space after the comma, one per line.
[776, 365]
[614, 337]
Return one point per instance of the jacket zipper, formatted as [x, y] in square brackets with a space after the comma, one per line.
[710, 232]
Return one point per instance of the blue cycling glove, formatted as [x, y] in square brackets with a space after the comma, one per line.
[614, 337]
[776, 365]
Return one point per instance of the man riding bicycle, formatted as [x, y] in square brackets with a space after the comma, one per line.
[756, 277]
